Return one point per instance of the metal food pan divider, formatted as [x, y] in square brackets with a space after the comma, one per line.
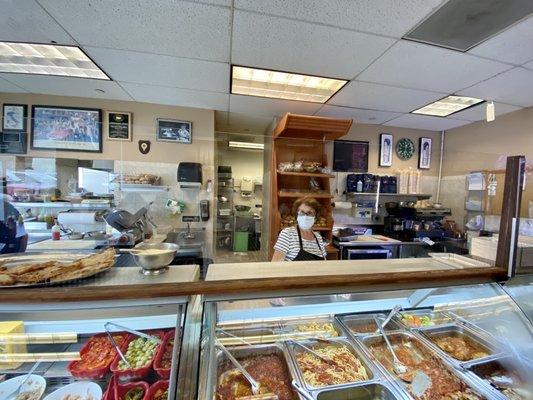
[349, 320]
[368, 391]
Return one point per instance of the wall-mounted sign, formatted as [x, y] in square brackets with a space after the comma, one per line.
[171, 130]
[118, 125]
[385, 150]
[144, 146]
[424, 153]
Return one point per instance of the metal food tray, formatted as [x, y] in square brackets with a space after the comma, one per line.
[273, 331]
[438, 317]
[505, 364]
[295, 349]
[243, 351]
[484, 343]
[351, 322]
[370, 391]
[63, 257]
[423, 350]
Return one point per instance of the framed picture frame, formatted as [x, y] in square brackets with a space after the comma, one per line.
[14, 117]
[424, 153]
[386, 145]
[13, 142]
[118, 125]
[66, 129]
[175, 131]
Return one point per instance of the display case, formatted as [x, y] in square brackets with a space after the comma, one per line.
[456, 342]
[60, 335]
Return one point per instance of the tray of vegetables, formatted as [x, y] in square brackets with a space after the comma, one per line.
[131, 391]
[163, 358]
[139, 353]
[158, 391]
[97, 355]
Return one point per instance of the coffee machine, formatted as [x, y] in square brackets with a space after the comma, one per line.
[407, 223]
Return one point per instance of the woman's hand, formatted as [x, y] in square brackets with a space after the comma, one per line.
[278, 256]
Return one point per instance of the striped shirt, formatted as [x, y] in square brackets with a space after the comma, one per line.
[289, 245]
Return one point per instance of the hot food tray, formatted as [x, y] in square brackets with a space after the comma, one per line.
[442, 379]
[49, 269]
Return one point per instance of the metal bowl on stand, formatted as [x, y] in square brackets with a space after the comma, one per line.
[154, 258]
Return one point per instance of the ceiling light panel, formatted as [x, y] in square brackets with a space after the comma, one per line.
[283, 85]
[448, 105]
[246, 145]
[47, 59]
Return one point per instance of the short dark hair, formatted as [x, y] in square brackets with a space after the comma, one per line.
[308, 201]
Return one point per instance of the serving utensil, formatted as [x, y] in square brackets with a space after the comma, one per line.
[392, 313]
[398, 367]
[112, 339]
[16, 392]
[301, 390]
[254, 385]
[132, 331]
[322, 358]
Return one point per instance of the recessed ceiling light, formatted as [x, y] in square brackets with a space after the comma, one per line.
[448, 105]
[47, 59]
[246, 145]
[283, 85]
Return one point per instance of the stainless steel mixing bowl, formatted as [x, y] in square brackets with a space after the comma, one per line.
[154, 264]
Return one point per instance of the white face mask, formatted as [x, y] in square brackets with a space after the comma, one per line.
[305, 222]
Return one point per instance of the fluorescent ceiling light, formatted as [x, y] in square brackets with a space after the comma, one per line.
[47, 59]
[246, 145]
[448, 106]
[283, 85]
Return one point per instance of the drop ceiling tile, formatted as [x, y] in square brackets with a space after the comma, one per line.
[425, 122]
[385, 17]
[288, 45]
[67, 86]
[8, 87]
[225, 3]
[529, 65]
[245, 123]
[26, 21]
[478, 113]
[420, 66]
[259, 106]
[153, 69]
[512, 45]
[359, 115]
[169, 27]
[177, 97]
[381, 97]
[511, 87]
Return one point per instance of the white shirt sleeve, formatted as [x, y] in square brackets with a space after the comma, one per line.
[283, 243]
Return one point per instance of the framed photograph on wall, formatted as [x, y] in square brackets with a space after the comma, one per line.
[118, 125]
[13, 142]
[66, 129]
[424, 153]
[171, 130]
[385, 149]
[14, 117]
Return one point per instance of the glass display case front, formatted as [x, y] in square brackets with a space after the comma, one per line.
[456, 342]
[113, 350]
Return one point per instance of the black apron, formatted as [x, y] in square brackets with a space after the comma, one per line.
[305, 255]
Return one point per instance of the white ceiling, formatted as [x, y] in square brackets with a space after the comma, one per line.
[180, 52]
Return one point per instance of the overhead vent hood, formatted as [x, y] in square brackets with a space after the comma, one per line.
[463, 24]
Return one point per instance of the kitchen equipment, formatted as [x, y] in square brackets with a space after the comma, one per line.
[154, 258]
[399, 368]
[134, 227]
[204, 210]
[370, 252]
[189, 175]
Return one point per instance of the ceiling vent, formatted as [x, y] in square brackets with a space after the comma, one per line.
[463, 24]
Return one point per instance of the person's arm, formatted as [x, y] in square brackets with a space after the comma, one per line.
[278, 256]
[281, 248]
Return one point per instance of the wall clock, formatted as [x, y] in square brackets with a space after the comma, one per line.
[405, 148]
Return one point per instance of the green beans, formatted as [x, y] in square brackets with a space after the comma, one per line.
[140, 352]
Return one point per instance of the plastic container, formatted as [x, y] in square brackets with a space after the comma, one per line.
[163, 372]
[155, 387]
[122, 388]
[109, 393]
[96, 373]
[240, 241]
[135, 373]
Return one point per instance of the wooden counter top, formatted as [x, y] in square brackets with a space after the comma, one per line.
[262, 278]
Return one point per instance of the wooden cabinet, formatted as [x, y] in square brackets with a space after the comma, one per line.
[302, 138]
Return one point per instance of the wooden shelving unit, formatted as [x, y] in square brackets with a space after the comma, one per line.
[297, 138]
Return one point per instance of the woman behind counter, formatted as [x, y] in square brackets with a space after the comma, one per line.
[300, 243]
